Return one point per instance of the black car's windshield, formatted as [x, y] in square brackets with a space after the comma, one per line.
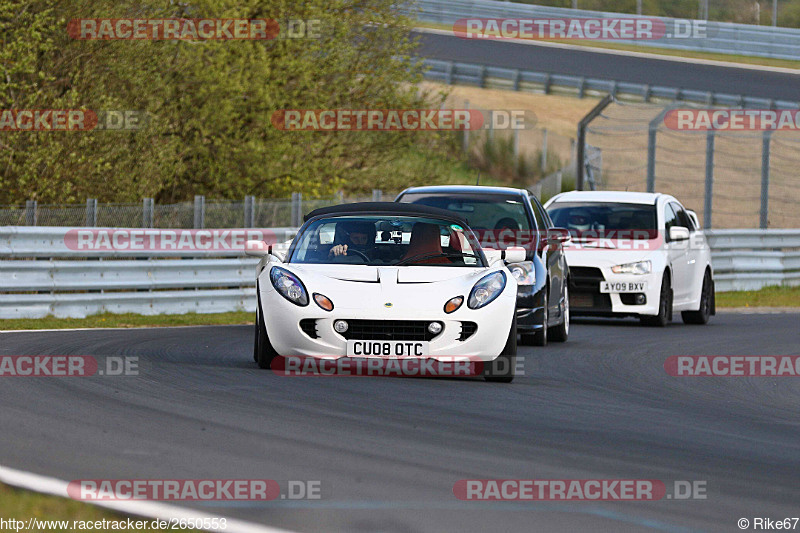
[585, 219]
[482, 211]
[385, 241]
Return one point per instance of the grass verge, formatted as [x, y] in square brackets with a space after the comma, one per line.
[766, 297]
[129, 320]
[23, 505]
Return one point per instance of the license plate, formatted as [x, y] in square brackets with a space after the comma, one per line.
[387, 348]
[623, 286]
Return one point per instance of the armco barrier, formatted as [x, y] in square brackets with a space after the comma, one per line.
[456, 73]
[40, 275]
[721, 37]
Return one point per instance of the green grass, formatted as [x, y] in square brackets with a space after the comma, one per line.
[766, 297]
[22, 505]
[750, 60]
[128, 320]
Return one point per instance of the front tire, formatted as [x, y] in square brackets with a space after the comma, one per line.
[503, 369]
[560, 333]
[702, 315]
[264, 353]
[664, 315]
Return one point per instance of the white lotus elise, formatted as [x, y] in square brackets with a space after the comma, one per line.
[383, 279]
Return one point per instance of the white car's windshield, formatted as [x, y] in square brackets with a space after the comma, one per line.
[385, 241]
[586, 219]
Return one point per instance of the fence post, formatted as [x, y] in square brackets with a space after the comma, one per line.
[377, 195]
[466, 130]
[709, 193]
[91, 212]
[199, 211]
[30, 212]
[249, 211]
[147, 212]
[490, 133]
[581, 142]
[516, 148]
[651, 158]
[297, 209]
[765, 152]
[544, 150]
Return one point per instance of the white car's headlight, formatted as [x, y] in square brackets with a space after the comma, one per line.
[486, 290]
[289, 286]
[640, 267]
[523, 272]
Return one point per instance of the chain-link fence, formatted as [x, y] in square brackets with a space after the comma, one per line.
[249, 212]
[731, 178]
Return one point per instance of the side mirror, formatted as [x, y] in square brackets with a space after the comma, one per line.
[257, 248]
[514, 254]
[558, 235]
[678, 233]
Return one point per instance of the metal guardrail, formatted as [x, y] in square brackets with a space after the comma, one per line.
[78, 284]
[721, 37]
[750, 259]
[456, 73]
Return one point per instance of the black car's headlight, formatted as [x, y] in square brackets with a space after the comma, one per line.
[289, 286]
[486, 290]
[523, 272]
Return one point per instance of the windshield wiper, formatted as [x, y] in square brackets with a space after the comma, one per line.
[421, 257]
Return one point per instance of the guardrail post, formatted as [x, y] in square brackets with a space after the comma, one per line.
[547, 82]
[91, 212]
[147, 212]
[449, 71]
[765, 152]
[582, 88]
[249, 211]
[297, 209]
[199, 211]
[709, 192]
[30, 212]
[377, 195]
[647, 92]
[580, 164]
[483, 77]
[517, 76]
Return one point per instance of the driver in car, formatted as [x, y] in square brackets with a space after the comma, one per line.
[354, 236]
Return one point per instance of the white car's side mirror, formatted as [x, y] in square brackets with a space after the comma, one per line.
[514, 254]
[678, 233]
[492, 255]
[257, 248]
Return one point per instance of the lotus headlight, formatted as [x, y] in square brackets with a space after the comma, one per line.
[486, 290]
[289, 286]
[640, 267]
[523, 272]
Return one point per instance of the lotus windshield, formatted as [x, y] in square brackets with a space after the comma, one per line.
[386, 241]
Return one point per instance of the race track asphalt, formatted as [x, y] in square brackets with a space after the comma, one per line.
[590, 64]
[387, 451]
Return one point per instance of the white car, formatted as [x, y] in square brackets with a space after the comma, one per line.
[382, 278]
[635, 254]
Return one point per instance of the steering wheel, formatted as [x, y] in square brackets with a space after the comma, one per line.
[358, 252]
